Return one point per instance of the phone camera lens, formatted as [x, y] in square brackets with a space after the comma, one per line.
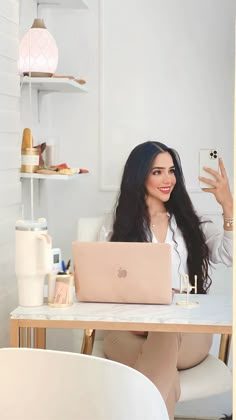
[211, 154]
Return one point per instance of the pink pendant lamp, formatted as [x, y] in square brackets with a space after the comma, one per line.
[38, 54]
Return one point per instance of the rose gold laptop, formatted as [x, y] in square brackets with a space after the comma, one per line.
[122, 272]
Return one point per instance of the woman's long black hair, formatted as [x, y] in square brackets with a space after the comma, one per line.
[132, 221]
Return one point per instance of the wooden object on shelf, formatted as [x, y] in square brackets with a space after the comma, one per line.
[29, 160]
[46, 172]
[27, 139]
[80, 81]
[64, 76]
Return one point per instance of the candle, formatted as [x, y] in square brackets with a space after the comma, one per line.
[188, 289]
[195, 284]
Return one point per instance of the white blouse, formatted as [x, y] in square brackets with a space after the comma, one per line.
[219, 242]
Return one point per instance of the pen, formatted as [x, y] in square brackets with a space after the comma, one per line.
[68, 267]
[63, 266]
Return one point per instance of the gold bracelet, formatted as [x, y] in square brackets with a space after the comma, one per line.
[228, 221]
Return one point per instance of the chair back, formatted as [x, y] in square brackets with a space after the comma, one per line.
[88, 228]
[47, 384]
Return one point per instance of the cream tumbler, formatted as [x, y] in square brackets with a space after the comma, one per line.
[32, 260]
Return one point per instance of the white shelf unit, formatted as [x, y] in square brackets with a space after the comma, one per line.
[67, 4]
[51, 84]
[57, 177]
[43, 85]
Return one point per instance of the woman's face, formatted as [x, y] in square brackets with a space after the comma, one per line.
[161, 180]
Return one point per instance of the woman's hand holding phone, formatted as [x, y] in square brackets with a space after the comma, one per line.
[219, 187]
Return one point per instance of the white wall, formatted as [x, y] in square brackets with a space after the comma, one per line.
[166, 73]
[10, 188]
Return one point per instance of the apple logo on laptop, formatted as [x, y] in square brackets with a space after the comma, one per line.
[122, 272]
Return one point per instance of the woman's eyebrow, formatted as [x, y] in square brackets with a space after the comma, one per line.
[163, 167]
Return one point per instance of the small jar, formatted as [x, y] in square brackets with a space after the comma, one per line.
[29, 160]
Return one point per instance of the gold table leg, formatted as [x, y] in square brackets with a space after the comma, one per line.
[28, 336]
[22, 337]
[88, 340]
[224, 350]
[40, 338]
[14, 333]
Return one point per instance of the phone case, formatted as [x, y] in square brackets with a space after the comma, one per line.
[210, 159]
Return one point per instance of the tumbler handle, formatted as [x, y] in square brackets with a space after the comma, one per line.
[45, 263]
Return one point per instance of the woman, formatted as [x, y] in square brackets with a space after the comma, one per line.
[154, 206]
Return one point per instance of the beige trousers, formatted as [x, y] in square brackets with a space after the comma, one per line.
[159, 356]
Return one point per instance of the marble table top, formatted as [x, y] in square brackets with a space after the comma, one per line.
[211, 310]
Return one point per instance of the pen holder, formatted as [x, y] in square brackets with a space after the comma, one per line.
[60, 287]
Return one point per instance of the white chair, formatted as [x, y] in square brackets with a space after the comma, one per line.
[55, 385]
[206, 389]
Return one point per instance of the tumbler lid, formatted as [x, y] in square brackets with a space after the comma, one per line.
[32, 225]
